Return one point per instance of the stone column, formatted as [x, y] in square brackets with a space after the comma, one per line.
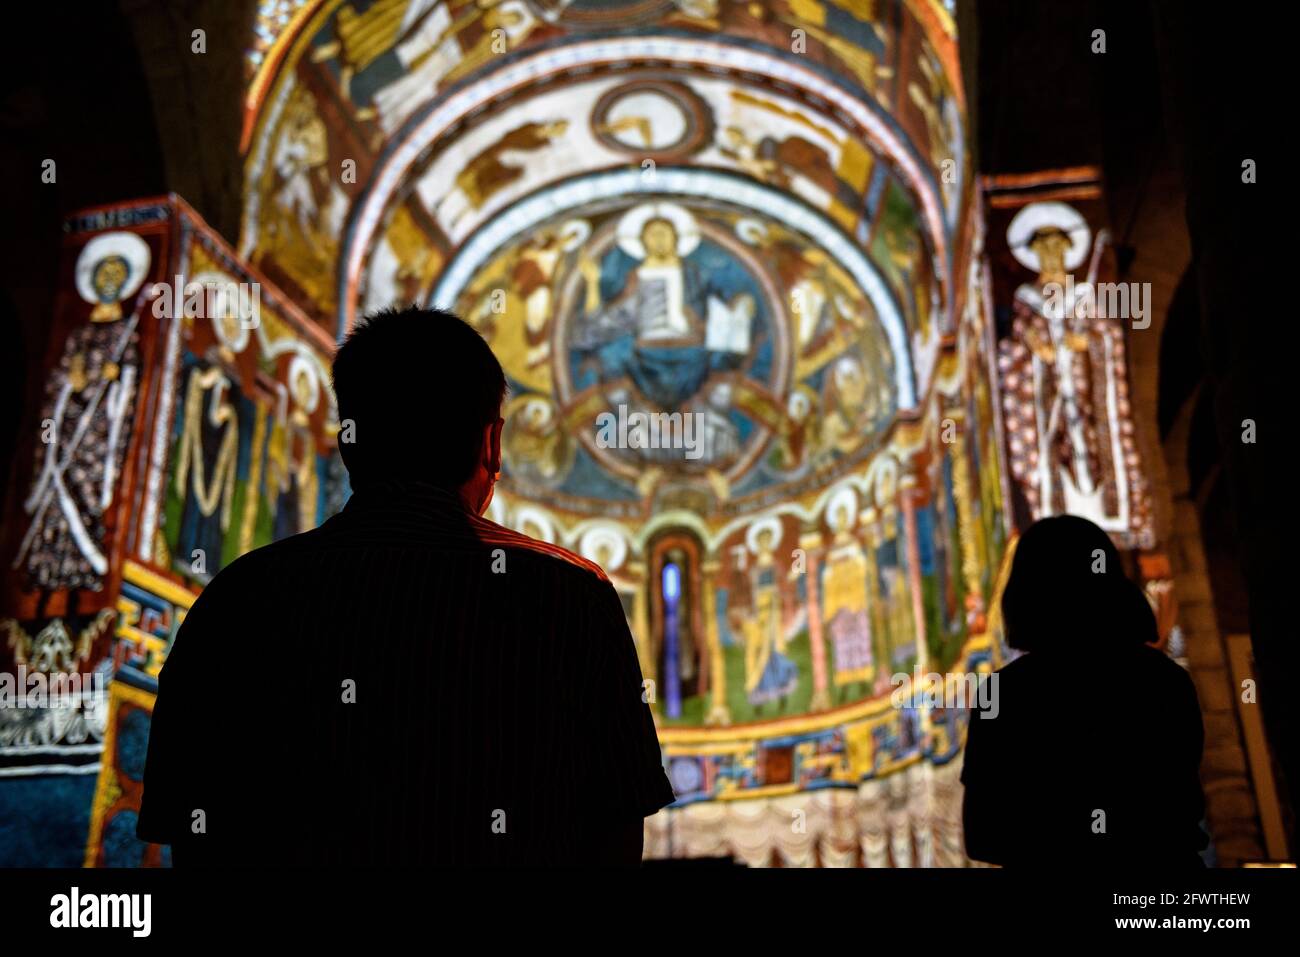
[719, 713]
[907, 493]
[811, 542]
[881, 646]
[968, 527]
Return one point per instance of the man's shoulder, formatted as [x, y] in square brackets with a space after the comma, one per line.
[1021, 668]
[559, 559]
[251, 573]
[252, 561]
[252, 567]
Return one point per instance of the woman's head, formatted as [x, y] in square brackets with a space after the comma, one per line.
[1067, 589]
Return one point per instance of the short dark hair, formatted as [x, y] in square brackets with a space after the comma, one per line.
[416, 387]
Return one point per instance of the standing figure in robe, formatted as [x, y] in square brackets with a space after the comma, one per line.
[769, 674]
[86, 424]
[293, 486]
[1063, 369]
[90, 399]
[901, 639]
[207, 453]
[303, 212]
[844, 589]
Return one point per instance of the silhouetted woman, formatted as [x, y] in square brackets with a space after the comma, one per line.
[1089, 753]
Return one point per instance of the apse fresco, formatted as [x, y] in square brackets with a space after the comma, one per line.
[737, 269]
[716, 247]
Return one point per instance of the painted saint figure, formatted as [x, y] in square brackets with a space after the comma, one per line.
[207, 451]
[536, 447]
[770, 675]
[845, 590]
[86, 423]
[1065, 392]
[293, 483]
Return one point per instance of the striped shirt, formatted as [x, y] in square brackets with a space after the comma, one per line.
[407, 684]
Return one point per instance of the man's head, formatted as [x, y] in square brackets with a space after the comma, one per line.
[419, 396]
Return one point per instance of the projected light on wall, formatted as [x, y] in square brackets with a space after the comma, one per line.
[716, 248]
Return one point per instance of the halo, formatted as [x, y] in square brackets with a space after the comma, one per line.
[769, 524]
[129, 246]
[528, 515]
[751, 231]
[634, 220]
[524, 404]
[537, 404]
[608, 536]
[216, 290]
[1038, 216]
[841, 498]
[519, 9]
[885, 481]
[844, 365]
[299, 367]
[574, 233]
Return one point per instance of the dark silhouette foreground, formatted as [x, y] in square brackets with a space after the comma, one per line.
[409, 683]
[1093, 757]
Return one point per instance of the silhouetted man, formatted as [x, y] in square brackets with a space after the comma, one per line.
[410, 683]
[1090, 751]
